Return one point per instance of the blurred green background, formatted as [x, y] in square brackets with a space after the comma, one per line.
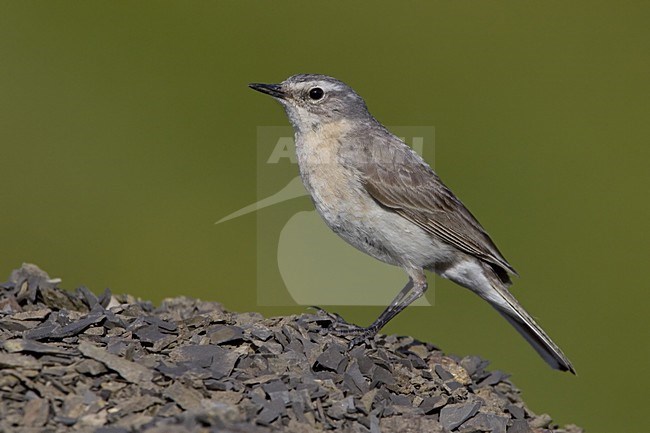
[127, 130]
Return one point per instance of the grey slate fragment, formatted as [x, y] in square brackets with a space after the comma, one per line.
[519, 426]
[452, 385]
[76, 327]
[43, 331]
[274, 386]
[129, 370]
[382, 375]
[113, 320]
[331, 357]
[36, 412]
[164, 325]
[88, 297]
[280, 396]
[16, 360]
[340, 408]
[223, 363]
[471, 364]
[197, 354]
[516, 411]
[271, 411]
[186, 397]
[494, 378]
[91, 367]
[39, 314]
[453, 415]
[112, 429]
[430, 404]
[105, 298]
[24, 345]
[149, 334]
[65, 420]
[261, 333]
[220, 333]
[417, 362]
[354, 379]
[7, 324]
[443, 374]
[400, 400]
[485, 422]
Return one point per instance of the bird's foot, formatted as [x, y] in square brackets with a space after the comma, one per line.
[341, 328]
[361, 335]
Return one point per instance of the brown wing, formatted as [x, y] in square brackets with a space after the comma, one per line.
[404, 183]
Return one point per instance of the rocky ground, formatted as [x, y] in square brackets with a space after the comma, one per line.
[111, 363]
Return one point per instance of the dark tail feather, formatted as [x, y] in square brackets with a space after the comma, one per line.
[540, 341]
[515, 314]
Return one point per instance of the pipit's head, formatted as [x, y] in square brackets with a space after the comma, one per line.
[312, 100]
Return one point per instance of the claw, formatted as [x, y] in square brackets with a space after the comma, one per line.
[341, 328]
[356, 341]
[333, 316]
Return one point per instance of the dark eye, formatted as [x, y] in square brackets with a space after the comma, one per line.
[316, 93]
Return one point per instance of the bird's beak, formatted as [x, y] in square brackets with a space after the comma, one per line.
[274, 90]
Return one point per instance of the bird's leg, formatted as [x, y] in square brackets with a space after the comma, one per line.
[413, 290]
[341, 327]
[389, 313]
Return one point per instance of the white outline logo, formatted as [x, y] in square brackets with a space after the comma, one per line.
[299, 260]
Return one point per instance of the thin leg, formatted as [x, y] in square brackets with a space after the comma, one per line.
[341, 327]
[413, 290]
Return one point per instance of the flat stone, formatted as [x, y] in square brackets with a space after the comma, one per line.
[38, 314]
[129, 370]
[91, 367]
[354, 379]
[453, 415]
[112, 429]
[270, 412]
[486, 422]
[220, 334]
[149, 334]
[162, 324]
[185, 397]
[23, 345]
[223, 363]
[43, 331]
[494, 378]
[519, 426]
[516, 411]
[36, 412]
[197, 354]
[431, 404]
[261, 333]
[8, 324]
[382, 375]
[331, 358]
[14, 360]
[443, 374]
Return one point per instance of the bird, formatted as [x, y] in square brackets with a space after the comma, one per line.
[381, 197]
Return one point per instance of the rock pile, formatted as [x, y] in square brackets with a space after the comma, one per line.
[111, 364]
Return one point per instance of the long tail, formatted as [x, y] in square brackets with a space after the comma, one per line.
[507, 305]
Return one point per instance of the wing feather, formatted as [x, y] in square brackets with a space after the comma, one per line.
[403, 182]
